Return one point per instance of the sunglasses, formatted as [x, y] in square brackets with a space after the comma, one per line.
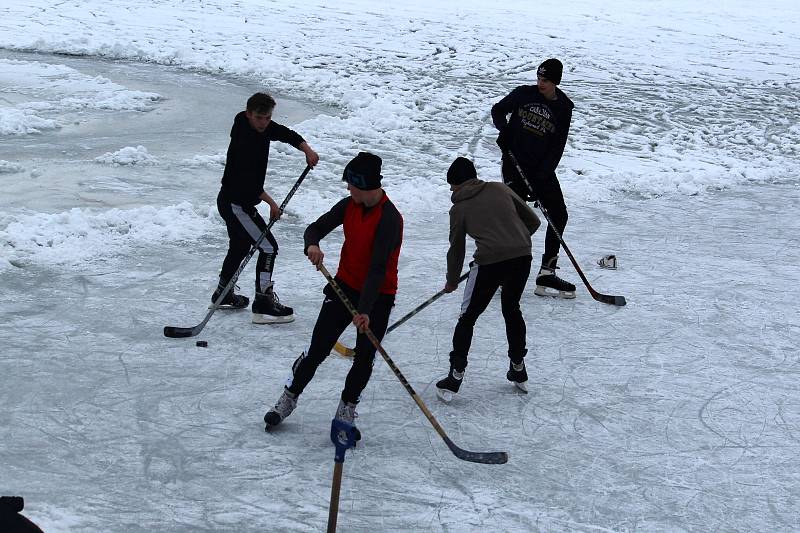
[356, 180]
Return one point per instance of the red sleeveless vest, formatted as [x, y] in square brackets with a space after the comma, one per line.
[360, 226]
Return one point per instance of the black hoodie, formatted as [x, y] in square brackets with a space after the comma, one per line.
[248, 154]
[538, 127]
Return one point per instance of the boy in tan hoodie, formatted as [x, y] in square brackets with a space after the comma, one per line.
[501, 224]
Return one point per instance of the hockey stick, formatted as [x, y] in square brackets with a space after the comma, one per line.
[333, 510]
[350, 352]
[492, 458]
[178, 332]
[605, 298]
[343, 436]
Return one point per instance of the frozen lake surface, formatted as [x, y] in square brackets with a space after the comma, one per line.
[678, 412]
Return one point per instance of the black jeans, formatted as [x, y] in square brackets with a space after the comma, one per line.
[510, 276]
[332, 321]
[547, 191]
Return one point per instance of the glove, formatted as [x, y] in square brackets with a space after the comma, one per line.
[504, 139]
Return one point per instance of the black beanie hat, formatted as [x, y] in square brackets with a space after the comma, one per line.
[551, 70]
[460, 171]
[363, 172]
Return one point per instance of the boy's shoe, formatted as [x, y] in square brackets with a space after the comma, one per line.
[231, 300]
[548, 284]
[448, 387]
[346, 412]
[268, 309]
[283, 408]
[518, 375]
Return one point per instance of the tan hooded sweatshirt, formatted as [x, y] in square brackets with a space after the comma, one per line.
[499, 221]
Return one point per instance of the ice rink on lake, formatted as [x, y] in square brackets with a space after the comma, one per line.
[678, 412]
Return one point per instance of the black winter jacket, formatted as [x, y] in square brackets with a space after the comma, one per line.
[538, 127]
[246, 162]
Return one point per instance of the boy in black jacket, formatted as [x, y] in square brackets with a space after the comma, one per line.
[243, 189]
[536, 133]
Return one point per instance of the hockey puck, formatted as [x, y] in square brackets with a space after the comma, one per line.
[202, 344]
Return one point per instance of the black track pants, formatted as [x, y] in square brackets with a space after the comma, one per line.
[547, 190]
[245, 226]
[332, 321]
[510, 277]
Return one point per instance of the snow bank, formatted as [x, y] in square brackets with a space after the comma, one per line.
[90, 236]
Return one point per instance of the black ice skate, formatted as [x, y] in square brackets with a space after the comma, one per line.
[548, 284]
[448, 387]
[267, 309]
[518, 376]
[346, 412]
[231, 300]
[286, 404]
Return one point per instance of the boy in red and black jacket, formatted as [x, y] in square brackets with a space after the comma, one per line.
[367, 273]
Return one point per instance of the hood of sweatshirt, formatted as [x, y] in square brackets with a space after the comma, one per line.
[467, 190]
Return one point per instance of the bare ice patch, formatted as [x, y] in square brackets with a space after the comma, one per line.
[37, 94]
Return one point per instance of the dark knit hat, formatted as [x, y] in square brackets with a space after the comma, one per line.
[460, 171]
[363, 172]
[551, 70]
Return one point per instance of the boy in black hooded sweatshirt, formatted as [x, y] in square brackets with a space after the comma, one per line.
[243, 189]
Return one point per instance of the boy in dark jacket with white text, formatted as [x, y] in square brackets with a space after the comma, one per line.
[536, 133]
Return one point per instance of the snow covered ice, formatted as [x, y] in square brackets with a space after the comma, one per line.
[678, 412]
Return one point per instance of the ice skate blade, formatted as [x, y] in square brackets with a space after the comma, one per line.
[227, 307]
[521, 386]
[258, 318]
[445, 395]
[553, 293]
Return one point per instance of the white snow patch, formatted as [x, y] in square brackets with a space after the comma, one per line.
[129, 155]
[23, 122]
[42, 92]
[84, 235]
[7, 167]
[209, 161]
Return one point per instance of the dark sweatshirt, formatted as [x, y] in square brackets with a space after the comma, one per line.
[248, 154]
[537, 129]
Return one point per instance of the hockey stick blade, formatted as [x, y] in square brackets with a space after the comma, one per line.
[175, 332]
[619, 301]
[603, 298]
[489, 458]
[345, 351]
[486, 458]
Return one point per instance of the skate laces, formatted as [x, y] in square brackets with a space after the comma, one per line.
[550, 272]
[276, 302]
[286, 404]
[347, 412]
